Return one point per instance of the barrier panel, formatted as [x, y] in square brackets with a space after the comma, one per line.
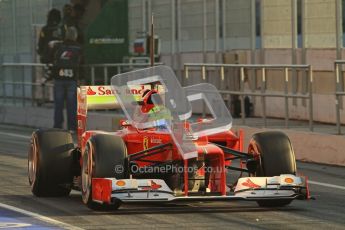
[261, 78]
[23, 83]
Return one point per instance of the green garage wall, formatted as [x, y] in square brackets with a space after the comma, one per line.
[106, 38]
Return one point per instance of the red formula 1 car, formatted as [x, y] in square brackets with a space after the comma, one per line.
[161, 152]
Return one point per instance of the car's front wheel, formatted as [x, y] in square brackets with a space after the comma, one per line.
[275, 154]
[103, 153]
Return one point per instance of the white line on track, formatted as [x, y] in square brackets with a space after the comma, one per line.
[15, 135]
[40, 217]
[326, 185]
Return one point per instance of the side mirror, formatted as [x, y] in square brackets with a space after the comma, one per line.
[124, 123]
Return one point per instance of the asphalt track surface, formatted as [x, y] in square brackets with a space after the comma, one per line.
[326, 212]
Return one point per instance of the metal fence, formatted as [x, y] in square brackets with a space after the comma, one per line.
[339, 91]
[22, 83]
[261, 78]
[19, 85]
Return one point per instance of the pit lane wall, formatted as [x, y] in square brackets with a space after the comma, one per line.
[321, 60]
[309, 147]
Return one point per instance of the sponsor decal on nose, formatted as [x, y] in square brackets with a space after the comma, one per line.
[250, 184]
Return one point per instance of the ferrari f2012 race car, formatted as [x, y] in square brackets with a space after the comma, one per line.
[162, 152]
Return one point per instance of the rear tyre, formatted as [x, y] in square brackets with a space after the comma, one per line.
[276, 157]
[50, 163]
[104, 153]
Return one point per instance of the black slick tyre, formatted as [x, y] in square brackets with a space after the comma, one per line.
[104, 156]
[50, 163]
[276, 156]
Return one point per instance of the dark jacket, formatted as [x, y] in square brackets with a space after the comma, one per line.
[67, 61]
[50, 32]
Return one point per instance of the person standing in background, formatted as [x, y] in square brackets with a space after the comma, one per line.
[66, 74]
[72, 16]
[78, 13]
[50, 32]
[67, 18]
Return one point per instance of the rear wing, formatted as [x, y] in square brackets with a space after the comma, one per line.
[103, 97]
[99, 98]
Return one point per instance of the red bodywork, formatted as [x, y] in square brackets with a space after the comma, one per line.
[138, 140]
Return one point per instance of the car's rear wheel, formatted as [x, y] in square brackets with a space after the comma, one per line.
[103, 154]
[50, 163]
[275, 155]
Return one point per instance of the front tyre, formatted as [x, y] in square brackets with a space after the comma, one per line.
[276, 156]
[102, 154]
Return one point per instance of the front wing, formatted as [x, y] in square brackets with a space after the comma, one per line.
[105, 190]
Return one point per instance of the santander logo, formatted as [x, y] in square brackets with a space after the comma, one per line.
[108, 91]
[90, 91]
[250, 184]
[154, 185]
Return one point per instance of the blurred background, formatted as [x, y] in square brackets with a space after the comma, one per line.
[308, 34]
